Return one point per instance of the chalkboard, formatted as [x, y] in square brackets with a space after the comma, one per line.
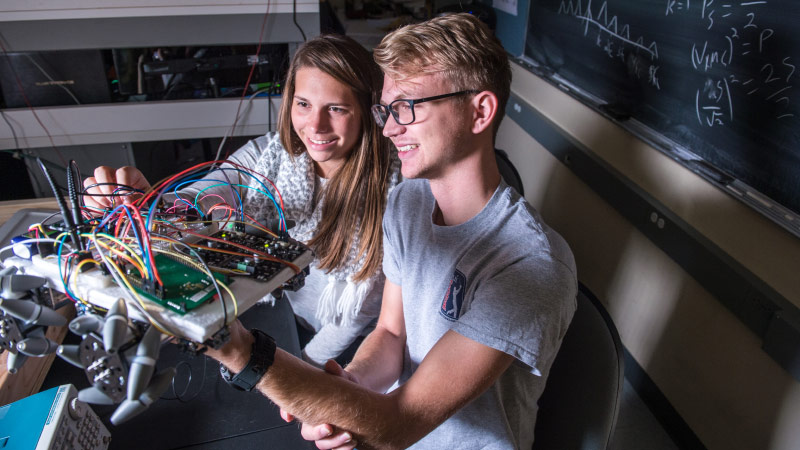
[716, 77]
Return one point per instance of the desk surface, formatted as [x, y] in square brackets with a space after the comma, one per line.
[10, 207]
[209, 414]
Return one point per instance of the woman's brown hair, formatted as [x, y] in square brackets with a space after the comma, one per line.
[355, 196]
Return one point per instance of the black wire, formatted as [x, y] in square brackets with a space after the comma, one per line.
[35, 179]
[48, 218]
[269, 111]
[125, 188]
[13, 133]
[180, 397]
[172, 88]
[73, 187]
[294, 18]
[73, 231]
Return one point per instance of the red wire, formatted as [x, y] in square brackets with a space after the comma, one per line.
[250, 76]
[252, 251]
[27, 102]
[159, 186]
[146, 242]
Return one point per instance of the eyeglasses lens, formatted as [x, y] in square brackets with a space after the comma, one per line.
[380, 113]
[403, 111]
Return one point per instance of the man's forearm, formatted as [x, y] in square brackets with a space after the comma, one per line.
[379, 360]
[316, 397]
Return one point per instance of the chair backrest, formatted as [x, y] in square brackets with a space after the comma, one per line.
[579, 406]
[508, 171]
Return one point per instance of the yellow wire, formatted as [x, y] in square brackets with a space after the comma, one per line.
[135, 294]
[87, 261]
[141, 270]
[40, 227]
[200, 267]
[75, 280]
[130, 249]
[233, 300]
[134, 258]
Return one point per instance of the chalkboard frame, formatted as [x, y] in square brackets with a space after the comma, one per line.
[779, 214]
[767, 313]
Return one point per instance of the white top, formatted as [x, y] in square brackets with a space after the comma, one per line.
[333, 304]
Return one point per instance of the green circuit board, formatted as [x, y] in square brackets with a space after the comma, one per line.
[184, 287]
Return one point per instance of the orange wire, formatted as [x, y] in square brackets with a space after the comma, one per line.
[252, 251]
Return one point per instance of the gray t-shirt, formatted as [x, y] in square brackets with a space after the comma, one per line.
[503, 279]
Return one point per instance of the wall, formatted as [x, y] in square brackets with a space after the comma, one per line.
[708, 364]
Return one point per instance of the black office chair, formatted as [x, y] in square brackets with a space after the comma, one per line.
[578, 409]
[508, 171]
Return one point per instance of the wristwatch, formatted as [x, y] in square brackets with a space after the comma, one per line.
[262, 356]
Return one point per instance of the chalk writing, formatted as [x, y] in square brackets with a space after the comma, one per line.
[712, 77]
[705, 59]
[713, 101]
[615, 40]
[718, 57]
[675, 5]
[746, 38]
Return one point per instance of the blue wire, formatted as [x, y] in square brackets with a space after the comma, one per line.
[195, 206]
[142, 247]
[280, 213]
[151, 210]
[60, 272]
[266, 192]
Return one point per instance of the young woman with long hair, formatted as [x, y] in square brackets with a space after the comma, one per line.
[334, 170]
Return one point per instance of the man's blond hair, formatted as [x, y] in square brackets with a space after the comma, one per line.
[458, 47]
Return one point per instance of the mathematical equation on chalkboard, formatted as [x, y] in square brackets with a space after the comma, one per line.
[736, 38]
[702, 80]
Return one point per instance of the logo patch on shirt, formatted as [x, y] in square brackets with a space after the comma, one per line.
[454, 297]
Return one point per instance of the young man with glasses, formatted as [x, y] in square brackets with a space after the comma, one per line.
[479, 291]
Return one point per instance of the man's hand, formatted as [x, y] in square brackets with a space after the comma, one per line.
[236, 353]
[325, 436]
[106, 181]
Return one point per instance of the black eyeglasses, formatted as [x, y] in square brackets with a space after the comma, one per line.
[402, 109]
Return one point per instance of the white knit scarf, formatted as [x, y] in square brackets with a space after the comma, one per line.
[342, 297]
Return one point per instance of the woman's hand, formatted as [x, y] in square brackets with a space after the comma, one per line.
[109, 187]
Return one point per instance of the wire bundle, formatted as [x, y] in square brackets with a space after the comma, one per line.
[124, 239]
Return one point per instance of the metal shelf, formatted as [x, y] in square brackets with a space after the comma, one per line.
[136, 122]
[104, 24]
[74, 24]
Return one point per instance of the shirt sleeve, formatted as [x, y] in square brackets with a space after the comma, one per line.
[392, 245]
[214, 188]
[523, 310]
[331, 340]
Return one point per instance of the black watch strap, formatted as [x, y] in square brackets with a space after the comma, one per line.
[262, 356]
